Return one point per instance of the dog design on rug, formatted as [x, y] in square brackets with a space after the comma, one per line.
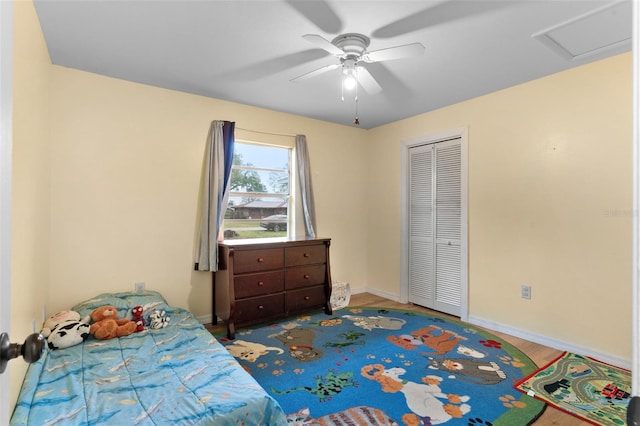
[299, 341]
[423, 399]
[250, 351]
[470, 370]
[369, 323]
[439, 340]
[473, 353]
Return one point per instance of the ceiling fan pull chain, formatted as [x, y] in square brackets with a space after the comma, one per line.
[356, 121]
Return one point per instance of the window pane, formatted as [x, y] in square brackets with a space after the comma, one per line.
[252, 179]
[259, 198]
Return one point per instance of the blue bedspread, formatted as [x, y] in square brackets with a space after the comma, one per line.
[178, 375]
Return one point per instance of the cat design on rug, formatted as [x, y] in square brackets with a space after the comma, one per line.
[369, 323]
[299, 341]
[439, 340]
[250, 351]
[470, 370]
[360, 416]
[326, 386]
[423, 399]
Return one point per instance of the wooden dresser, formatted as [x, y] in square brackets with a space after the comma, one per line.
[261, 280]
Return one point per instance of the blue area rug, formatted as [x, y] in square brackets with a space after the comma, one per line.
[368, 366]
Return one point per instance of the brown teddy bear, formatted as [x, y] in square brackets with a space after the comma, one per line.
[107, 325]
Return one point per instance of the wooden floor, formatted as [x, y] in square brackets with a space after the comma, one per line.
[539, 354]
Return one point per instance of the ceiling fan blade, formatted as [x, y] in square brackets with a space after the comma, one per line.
[320, 13]
[439, 13]
[316, 72]
[323, 43]
[274, 66]
[368, 83]
[391, 53]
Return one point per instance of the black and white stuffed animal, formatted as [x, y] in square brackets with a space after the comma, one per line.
[65, 329]
[157, 319]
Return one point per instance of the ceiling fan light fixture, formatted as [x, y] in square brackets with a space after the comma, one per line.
[349, 74]
[351, 50]
[349, 82]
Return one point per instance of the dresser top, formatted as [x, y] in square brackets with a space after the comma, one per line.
[258, 243]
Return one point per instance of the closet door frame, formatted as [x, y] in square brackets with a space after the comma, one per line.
[464, 219]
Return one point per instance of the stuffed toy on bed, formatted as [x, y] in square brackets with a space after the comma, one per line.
[107, 324]
[65, 329]
[158, 319]
[138, 318]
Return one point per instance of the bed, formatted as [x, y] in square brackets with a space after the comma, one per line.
[178, 375]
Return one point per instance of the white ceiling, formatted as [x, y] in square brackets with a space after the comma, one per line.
[248, 51]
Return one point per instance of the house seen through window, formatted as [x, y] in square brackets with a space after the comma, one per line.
[259, 197]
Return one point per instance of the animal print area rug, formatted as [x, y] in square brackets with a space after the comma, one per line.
[591, 390]
[387, 367]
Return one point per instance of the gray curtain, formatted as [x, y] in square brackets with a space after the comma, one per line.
[215, 192]
[304, 177]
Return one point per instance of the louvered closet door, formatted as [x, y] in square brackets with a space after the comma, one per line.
[435, 227]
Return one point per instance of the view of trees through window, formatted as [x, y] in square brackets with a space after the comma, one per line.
[259, 192]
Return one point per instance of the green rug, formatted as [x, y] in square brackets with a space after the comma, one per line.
[591, 390]
[368, 366]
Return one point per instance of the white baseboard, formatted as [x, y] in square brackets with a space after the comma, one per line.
[552, 343]
[375, 292]
[204, 319]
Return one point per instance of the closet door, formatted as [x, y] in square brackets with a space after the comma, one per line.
[435, 226]
[421, 226]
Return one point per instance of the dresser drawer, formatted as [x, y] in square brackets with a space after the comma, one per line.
[256, 308]
[306, 298]
[304, 276]
[305, 255]
[257, 260]
[250, 285]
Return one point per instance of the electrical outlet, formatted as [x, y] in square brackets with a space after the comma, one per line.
[139, 286]
[525, 291]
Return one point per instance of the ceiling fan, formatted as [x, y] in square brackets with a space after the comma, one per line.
[351, 50]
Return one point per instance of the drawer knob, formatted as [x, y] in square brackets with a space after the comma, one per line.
[306, 255]
[260, 259]
[261, 307]
[306, 276]
[307, 298]
[260, 283]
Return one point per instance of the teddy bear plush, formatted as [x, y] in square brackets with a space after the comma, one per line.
[65, 329]
[107, 325]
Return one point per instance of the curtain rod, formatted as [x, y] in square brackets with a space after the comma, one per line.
[267, 133]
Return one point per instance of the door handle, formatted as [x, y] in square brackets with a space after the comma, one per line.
[30, 350]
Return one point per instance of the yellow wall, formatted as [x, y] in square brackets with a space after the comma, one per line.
[30, 201]
[126, 162]
[549, 204]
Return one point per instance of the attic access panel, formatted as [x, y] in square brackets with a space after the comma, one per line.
[605, 30]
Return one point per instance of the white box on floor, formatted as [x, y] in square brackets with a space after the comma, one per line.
[340, 295]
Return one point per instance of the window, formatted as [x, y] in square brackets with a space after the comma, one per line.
[260, 201]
